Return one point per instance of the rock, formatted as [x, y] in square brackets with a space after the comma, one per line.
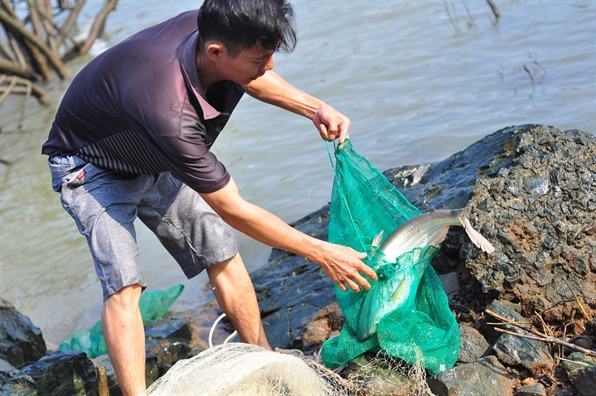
[380, 377]
[63, 373]
[524, 191]
[531, 354]
[582, 372]
[450, 284]
[324, 323]
[502, 308]
[485, 377]
[21, 385]
[12, 382]
[531, 390]
[541, 232]
[5, 370]
[473, 344]
[168, 340]
[103, 363]
[21, 341]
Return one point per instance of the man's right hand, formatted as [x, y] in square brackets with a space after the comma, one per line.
[344, 266]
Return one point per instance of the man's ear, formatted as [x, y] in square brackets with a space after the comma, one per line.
[215, 50]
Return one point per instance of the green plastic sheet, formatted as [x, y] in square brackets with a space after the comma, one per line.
[153, 305]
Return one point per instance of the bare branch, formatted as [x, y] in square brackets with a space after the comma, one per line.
[548, 339]
[494, 9]
[70, 22]
[36, 55]
[10, 67]
[538, 336]
[98, 25]
[17, 27]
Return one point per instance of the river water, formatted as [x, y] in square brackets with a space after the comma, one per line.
[420, 80]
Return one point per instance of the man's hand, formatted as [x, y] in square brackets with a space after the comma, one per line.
[345, 267]
[331, 123]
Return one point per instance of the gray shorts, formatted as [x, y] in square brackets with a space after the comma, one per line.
[104, 205]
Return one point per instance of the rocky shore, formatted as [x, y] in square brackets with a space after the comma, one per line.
[531, 190]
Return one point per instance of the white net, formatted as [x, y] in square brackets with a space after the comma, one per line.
[243, 369]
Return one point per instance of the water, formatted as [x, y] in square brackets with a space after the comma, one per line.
[418, 85]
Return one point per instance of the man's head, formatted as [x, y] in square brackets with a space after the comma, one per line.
[241, 36]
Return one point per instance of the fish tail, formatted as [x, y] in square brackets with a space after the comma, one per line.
[476, 238]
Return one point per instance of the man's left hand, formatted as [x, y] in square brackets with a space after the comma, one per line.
[331, 123]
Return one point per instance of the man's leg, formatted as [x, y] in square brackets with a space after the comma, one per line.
[236, 296]
[125, 338]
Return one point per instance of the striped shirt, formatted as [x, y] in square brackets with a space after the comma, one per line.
[138, 109]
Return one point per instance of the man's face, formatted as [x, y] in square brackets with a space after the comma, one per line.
[247, 65]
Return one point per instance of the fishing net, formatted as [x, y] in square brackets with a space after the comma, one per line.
[244, 369]
[406, 310]
[153, 305]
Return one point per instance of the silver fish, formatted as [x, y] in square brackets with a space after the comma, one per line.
[428, 229]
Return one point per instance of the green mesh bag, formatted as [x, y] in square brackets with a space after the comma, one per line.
[153, 305]
[418, 329]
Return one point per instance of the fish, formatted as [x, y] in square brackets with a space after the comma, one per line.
[427, 229]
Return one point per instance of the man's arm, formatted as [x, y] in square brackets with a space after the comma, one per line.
[272, 88]
[342, 264]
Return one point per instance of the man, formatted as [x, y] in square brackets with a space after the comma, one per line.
[132, 138]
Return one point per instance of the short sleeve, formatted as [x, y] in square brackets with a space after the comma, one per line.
[186, 155]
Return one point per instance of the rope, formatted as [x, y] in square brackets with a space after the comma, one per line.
[212, 330]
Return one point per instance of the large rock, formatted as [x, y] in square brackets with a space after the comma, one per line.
[13, 383]
[485, 377]
[473, 344]
[538, 211]
[581, 370]
[169, 340]
[63, 373]
[531, 190]
[21, 341]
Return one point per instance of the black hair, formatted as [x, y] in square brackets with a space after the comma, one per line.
[241, 24]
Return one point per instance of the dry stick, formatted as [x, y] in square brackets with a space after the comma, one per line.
[494, 9]
[36, 55]
[455, 26]
[537, 335]
[39, 93]
[16, 69]
[562, 350]
[17, 27]
[69, 22]
[575, 361]
[13, 43]
[8, 89]
[548, 339]
[555, 304]
[16, 49]
[48, 23]
[5, 51]
[98, 25]
[579, 304]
